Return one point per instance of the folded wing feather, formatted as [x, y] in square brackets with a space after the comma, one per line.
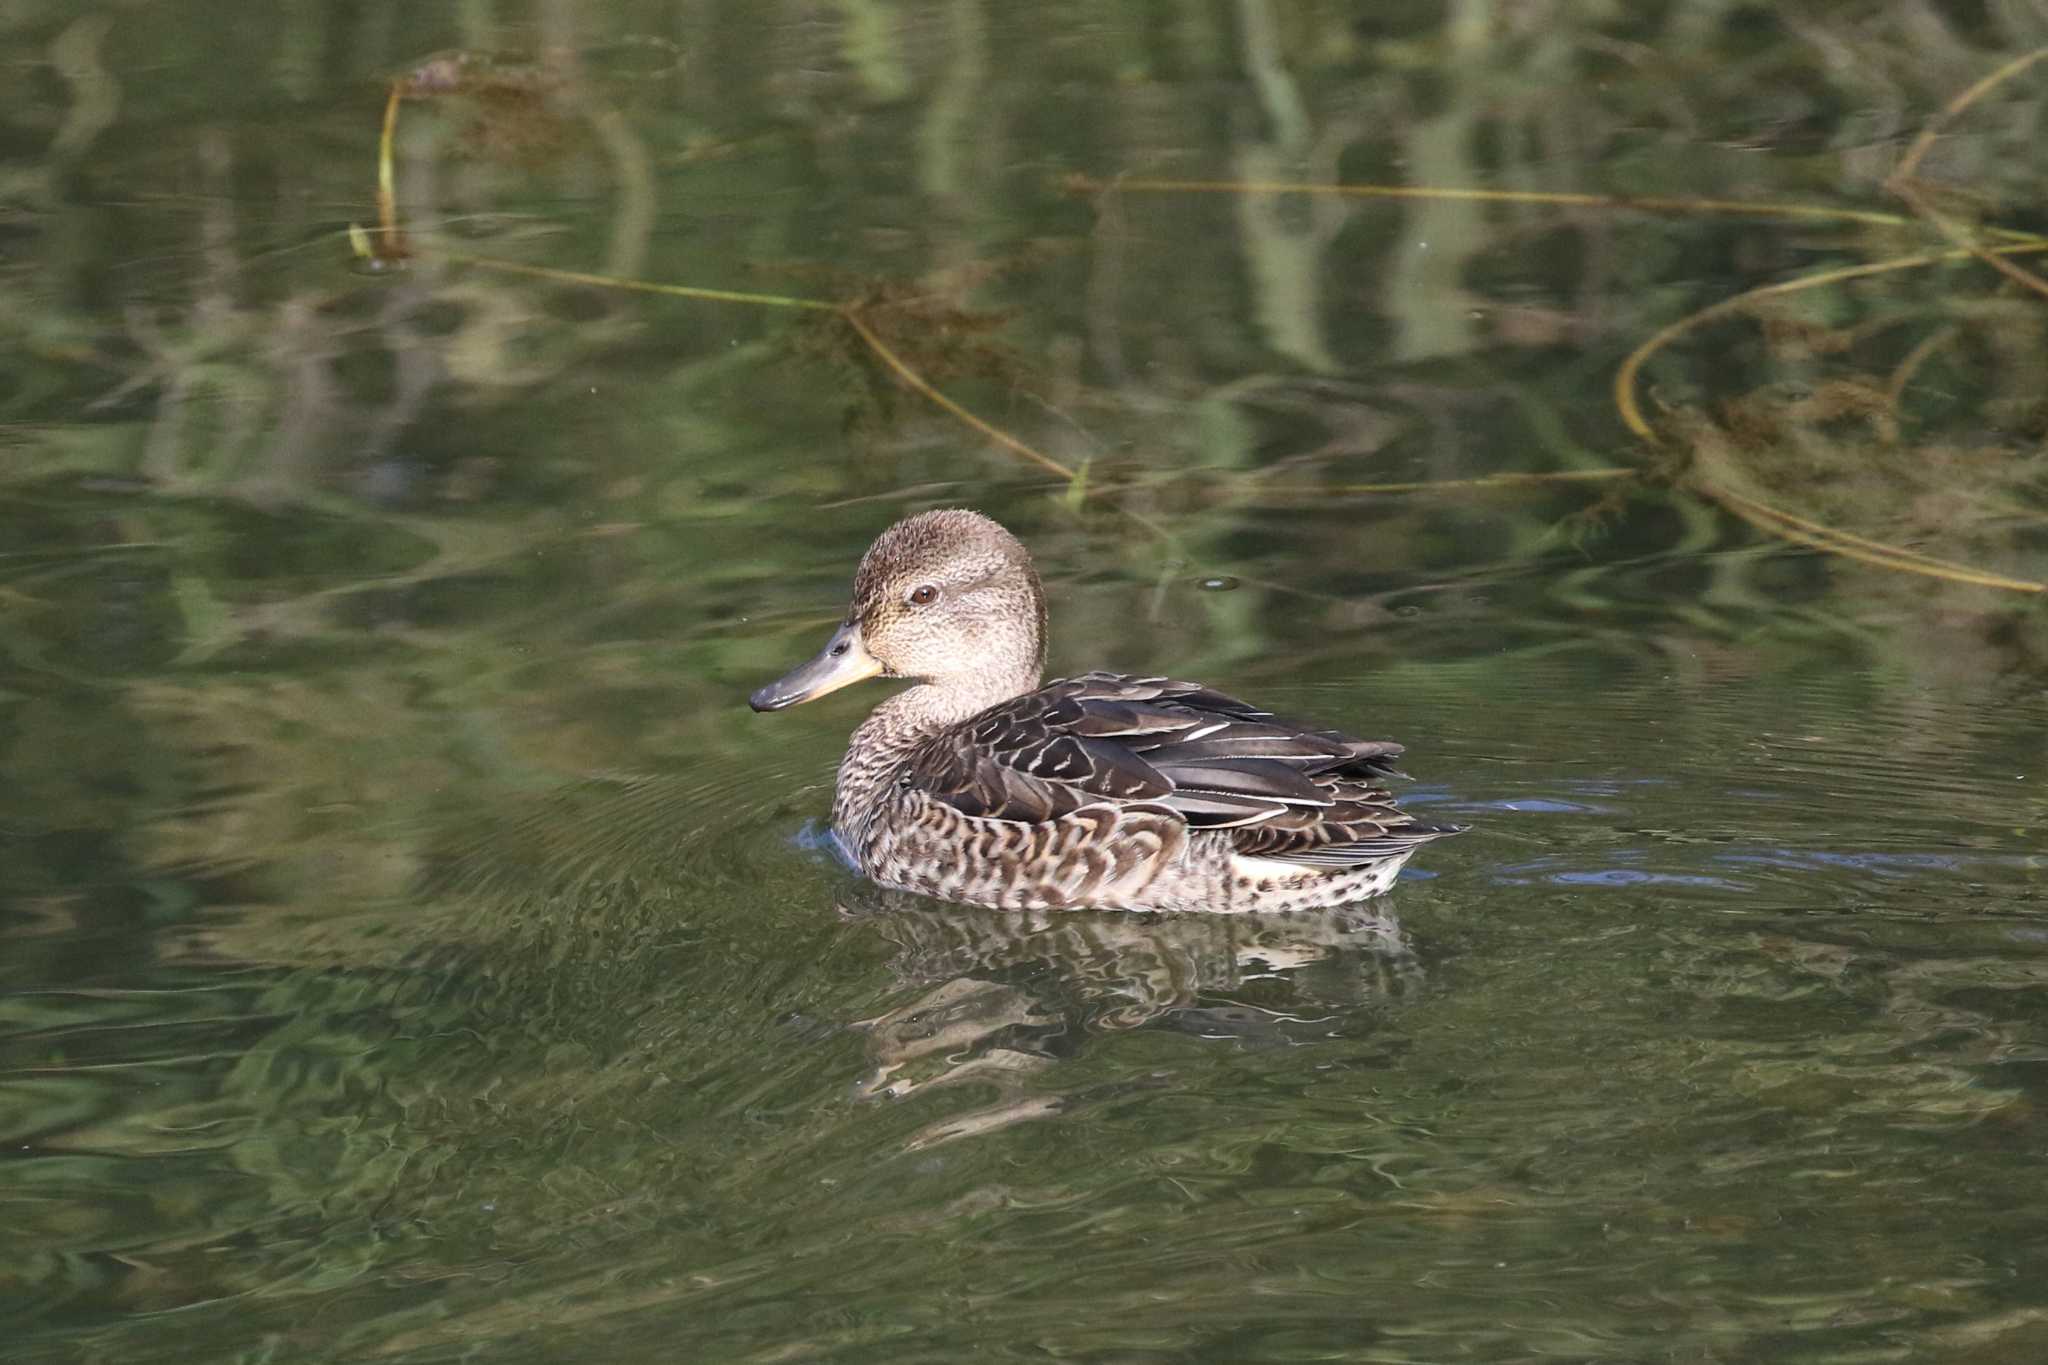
[1311, 796]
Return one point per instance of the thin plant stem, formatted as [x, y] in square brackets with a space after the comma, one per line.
[1923, 350]
[626, 284]
[919, 384]
[1903, 182]
[1487, 483]
[1747, 208]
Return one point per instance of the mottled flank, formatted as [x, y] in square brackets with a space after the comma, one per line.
[1105, 791]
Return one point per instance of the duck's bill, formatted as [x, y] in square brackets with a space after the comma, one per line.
[844, 660]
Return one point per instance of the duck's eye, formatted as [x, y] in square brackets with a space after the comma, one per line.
[924, 596]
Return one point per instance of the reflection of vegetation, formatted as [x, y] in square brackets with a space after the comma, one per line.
[1840, 398]
[868, 336]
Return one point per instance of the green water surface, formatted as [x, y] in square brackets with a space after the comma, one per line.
[412, 949]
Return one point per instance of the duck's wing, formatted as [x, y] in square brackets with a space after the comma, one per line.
[1285, 791]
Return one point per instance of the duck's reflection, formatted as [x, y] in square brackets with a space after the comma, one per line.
[1001, 996]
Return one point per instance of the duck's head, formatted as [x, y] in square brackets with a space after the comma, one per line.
[948, 598]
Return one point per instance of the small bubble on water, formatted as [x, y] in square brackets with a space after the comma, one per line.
[1222, 582]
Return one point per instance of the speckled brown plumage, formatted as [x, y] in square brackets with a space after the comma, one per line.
[1104, 791]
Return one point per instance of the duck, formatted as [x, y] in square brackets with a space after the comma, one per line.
[983, 784]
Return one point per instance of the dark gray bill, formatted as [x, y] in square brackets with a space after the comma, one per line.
[843, 660]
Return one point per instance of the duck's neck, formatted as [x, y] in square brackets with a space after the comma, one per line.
[903, 722]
